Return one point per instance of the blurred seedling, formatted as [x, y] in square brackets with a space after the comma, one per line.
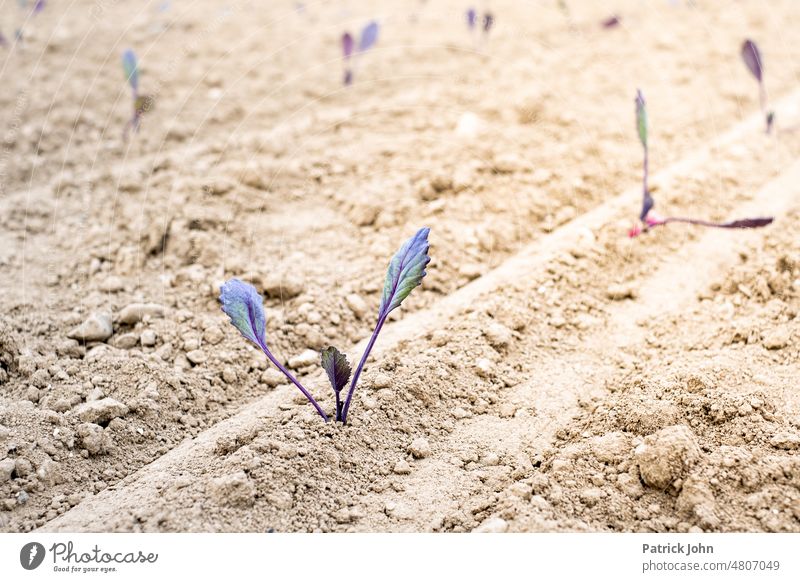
[650, 220]
[474, 21]
[752, 58]
[350, 53]
[141, 103]
[244, 306]
[611, 22]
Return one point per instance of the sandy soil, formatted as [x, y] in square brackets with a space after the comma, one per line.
[550, 374]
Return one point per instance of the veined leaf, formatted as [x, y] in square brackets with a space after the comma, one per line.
[336, 366]
[131, 69]
[242, 303]
[406, 270]
[641, 117]
[752, 58]
[369, 36]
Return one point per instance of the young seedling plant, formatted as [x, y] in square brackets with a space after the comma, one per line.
[141, 103]
[752, 58]
[651, 220]
[244, 306]
[369, 36]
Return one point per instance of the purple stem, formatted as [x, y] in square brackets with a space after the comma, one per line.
[381, 321]
[294, 381]
[645, 171]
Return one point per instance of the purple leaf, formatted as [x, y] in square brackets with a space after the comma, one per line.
[369, 36]
[336, 366]
[131, 68]
[611, 22]
[347, 45]
[406, 271]
[488, 22]
[242, 303]
[752, 58]
[472, 18]
[245, 307]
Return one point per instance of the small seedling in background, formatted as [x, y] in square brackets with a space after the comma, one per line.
[369, 36]
[611, 22]
[141, 103]
[347, 49]
[752, 58]
[488, 23]
[242, 303]
[650, 220]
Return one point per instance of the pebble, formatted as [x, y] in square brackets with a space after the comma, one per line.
[304, 359]
[148, 338]
[229, 375]
[272, 377]
[591, 496]
[498, 335]
[93, 438]
[135, 312]
[492, 525]
[96, 328]
[776, 338]
[32, 394]
[786, 441]
[197, 357]
[357, 305]
[101, 411]
[665, 456]
[23, 467]
[621, 291]
[507, 410]
[6, 469]
[213, 335]
[235, 490]
[279, 286]
[484, 367]
[126, 341]
[402, 468]
[611, 447]
[47, 471]
[420, 448]
[70, 348]
[381, 380]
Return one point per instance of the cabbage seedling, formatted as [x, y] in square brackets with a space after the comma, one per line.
[369, 36]
[646, 216]
[141, 103]
[244, 306]
[752, 58]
